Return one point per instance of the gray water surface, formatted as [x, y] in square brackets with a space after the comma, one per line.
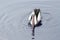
[14, 18]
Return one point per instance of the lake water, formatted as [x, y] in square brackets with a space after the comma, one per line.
[14, 19]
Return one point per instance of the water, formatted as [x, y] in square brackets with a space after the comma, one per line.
[14, 19]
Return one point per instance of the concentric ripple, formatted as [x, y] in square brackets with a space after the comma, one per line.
[14, 19]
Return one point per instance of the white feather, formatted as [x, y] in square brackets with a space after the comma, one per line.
[35, 21]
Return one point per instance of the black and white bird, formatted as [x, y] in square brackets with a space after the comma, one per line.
[35, 18]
